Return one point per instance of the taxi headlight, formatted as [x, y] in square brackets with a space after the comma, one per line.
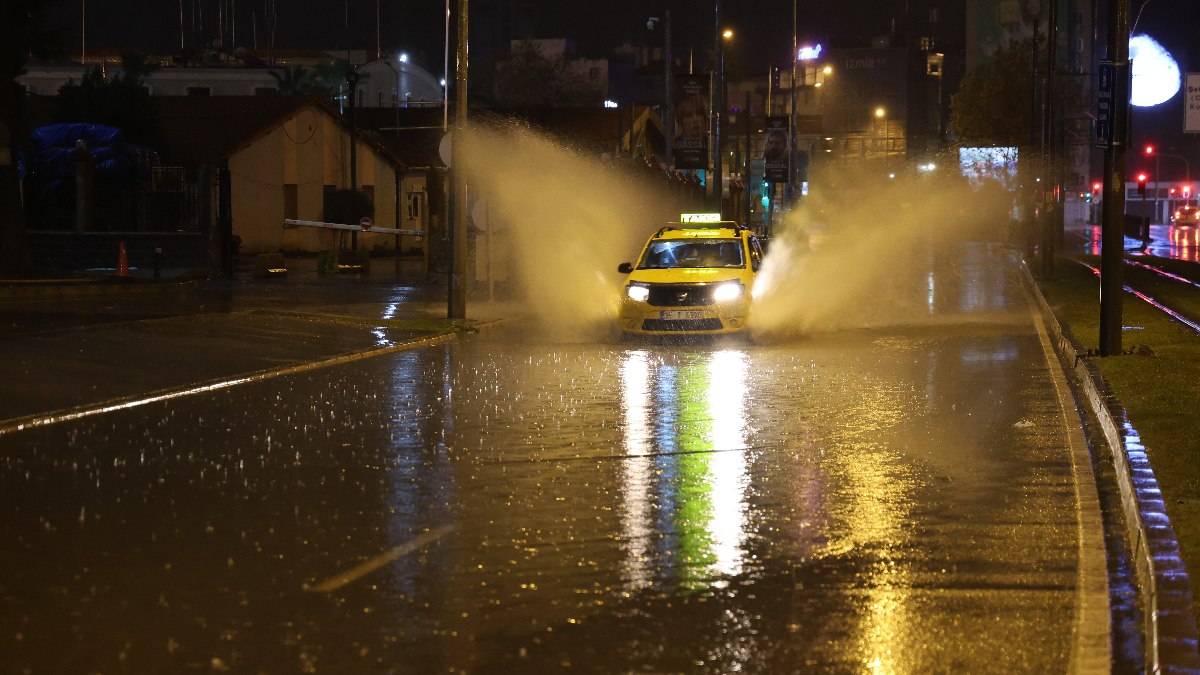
[637, 293]
[725, 292]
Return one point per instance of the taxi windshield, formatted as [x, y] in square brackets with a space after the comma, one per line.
[673, 253]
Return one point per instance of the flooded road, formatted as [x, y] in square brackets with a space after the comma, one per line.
[898, 498]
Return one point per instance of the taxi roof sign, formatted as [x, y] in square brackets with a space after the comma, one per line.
[699, 217]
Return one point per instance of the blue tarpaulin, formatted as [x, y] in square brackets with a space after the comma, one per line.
[54, 145]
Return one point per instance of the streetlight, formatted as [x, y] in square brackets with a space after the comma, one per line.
[718, 96]
[881, 113]
[668, 117]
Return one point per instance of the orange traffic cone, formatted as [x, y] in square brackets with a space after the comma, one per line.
[122, 262]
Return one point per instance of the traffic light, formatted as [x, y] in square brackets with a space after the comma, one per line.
[1141, 180]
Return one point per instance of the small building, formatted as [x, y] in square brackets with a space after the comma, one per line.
[285, 157]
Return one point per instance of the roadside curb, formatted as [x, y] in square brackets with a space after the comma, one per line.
[1163, 585]
[49, 289]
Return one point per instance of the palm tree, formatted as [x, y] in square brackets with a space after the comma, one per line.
[294, 81]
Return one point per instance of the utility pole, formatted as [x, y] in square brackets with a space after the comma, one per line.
[668, 111]
[1112, 226]
[718, 103]
[457, 306]
[792, 112]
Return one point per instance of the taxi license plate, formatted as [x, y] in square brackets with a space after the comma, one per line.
[678, 314]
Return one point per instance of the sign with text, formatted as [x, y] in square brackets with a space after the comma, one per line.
[1191, 104]
[1104, 104]
[776, 146]
[691, 122]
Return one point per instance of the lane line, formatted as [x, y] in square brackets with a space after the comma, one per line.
[371, 564]
[89, 410]
[1092, 632]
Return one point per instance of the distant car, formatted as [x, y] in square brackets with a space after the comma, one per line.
[1186, 216]
[693, 277]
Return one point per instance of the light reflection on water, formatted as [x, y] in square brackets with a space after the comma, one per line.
[1166, 241]
[685, 432]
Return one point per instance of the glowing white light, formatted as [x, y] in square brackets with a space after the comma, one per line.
[809, 53]
[1155, 73]
[610, 104]
[699, 217]
[402, 57]
[727, 291]
[638, 293]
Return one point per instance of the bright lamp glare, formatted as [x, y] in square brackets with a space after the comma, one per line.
[1155, 73]
[638, 293]
[727, 291]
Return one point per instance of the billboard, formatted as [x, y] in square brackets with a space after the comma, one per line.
[691, 122]
[775, 150]
[988, 163]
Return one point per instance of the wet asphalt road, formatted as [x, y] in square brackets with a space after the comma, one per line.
[888, 500]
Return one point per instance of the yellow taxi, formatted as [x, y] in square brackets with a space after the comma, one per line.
[693, 277]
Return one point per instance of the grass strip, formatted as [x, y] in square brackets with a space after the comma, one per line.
[1157, 381]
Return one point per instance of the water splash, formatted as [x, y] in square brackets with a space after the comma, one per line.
[859, 253]
[563, 220]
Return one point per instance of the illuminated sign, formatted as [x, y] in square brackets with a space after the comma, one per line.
[610, 104]
[699, 217]
[809, 53]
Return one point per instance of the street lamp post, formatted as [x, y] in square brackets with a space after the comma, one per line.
[881, 113]
[718, 103]
[668, 118]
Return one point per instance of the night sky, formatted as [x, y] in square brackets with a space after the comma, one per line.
[764, 27]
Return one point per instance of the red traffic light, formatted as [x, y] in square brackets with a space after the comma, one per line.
[1096, 187]
[1149, 149]
[1142, 178]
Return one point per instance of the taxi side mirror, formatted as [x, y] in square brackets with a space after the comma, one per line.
[625, 268]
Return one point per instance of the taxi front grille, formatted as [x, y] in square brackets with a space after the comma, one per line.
[680, 325]
[680, 295]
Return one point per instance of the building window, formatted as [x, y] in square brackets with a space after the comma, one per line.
[415, 201]
[199, 91]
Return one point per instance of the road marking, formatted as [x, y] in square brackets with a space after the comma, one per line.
[46, 419]
[1092, 634]
[370, 565]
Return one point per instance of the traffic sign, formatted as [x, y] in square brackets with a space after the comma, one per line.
[365, 223]
[1104, 104]
[1191, 104]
